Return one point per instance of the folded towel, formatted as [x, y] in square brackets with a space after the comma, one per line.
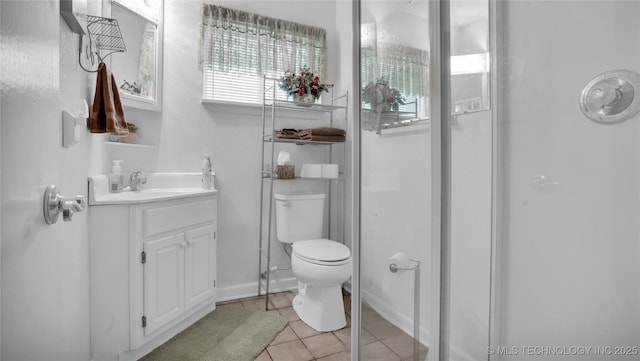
[322, 134]
[284, 134]
[106, 112]
[325, 138]
[289, 131]
[327, 131]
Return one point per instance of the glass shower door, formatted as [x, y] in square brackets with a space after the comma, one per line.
[395, 173]
[408, 169]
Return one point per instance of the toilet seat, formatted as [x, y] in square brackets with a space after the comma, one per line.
[323, 252]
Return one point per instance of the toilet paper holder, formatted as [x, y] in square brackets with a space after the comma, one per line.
[395, 268]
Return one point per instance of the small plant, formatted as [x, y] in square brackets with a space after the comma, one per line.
[307, 82]
[381, 96]
[132, 128]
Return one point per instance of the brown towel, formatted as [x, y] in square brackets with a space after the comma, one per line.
[284, 134]
[325, 138]
[327, 131]
[323, 134]
[106, 112]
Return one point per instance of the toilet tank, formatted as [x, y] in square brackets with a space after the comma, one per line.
[299, 216]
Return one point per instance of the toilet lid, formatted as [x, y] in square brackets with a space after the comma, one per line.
[321, 250]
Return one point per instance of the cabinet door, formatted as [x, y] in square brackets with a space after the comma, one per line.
[163, 281]
[200, 265]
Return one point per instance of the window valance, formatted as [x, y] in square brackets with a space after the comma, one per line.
[235, 40]
[406, 68]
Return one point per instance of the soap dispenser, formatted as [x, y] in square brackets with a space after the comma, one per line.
[207, 167]
[116, 180]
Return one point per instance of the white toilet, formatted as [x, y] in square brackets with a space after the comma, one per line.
[320, 265]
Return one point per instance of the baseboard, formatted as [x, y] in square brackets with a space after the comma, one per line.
[250, 289]
[347, 286]
[398, 319]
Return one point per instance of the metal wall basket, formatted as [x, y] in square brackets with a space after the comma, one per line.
[104, 36]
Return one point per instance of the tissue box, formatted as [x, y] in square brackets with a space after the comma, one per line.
[286, 171]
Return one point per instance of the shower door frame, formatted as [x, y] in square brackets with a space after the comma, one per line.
[496, 11]
[356, 186]
[440, 99]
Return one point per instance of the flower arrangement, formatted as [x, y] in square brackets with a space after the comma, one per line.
[307, 82]
[381, 96]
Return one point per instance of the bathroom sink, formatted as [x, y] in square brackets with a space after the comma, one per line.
[159, 187]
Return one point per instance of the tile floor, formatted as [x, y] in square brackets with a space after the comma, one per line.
[380, 340]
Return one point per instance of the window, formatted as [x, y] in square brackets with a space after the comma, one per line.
[237, 48]
[405, 68]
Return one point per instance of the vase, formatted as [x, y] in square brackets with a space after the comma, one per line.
[307, 99]
[381, 107]
[130, 138]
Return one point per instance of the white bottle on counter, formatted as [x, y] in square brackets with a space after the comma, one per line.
[207, 168]
[116, 179]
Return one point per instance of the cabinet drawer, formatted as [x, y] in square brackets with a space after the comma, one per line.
[167, 218]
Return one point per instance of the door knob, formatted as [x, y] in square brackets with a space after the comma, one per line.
[54, 204]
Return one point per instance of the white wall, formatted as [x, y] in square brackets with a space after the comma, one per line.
[186, 128]
[45, 287]
[570, 252]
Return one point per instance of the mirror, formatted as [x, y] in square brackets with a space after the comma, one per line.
[470, 60]
[394, 51]
[395, 55]
[138, 70]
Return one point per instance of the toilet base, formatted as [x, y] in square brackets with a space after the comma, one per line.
[321, 308]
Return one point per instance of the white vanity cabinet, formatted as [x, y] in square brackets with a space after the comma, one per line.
[153, 272]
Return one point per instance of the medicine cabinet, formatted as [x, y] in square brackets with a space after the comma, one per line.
[138, 70]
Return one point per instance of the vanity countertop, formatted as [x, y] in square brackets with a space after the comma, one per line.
[159, 187]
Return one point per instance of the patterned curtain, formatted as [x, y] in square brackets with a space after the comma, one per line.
[406, 68]
[147, 62]
[234, 40]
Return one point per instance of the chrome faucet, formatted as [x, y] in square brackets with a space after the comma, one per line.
[135, 180]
